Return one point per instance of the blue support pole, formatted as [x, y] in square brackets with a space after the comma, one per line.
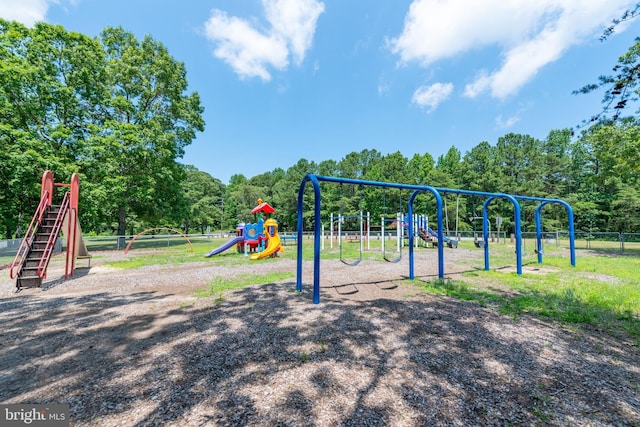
[299, 230]
[572, 234]
[411, 254]
[518, 230]
[316, 235]
[440, 232]
[572, 244]
[485, 231]
[517, 226]
[538, 219]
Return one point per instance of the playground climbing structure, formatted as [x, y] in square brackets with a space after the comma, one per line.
[260, 239]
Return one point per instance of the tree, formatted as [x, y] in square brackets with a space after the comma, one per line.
[616, 147]
[480, 169]
[146, 122]
[113, 109]
[588, 188]
[627, 210]
[357, 165]
[521, 161]
[628, 15]
[419, 168]
[243, 197]
[294, 177]
[204, 195]
[555, 150]
[449, 163]
[390, 168]
[50, 86]
[621, 88]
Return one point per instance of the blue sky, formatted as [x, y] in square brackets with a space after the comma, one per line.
[282, 80]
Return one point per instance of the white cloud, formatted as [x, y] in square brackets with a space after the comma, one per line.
[503, 123]
[295, 21]
[251, 52]
[529, 34]
[432, 96]
[27, 12]
[245, 49]
[480, 84]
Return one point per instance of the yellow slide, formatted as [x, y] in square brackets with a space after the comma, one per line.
[272, 248]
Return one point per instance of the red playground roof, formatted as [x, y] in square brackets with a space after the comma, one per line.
[263, 207]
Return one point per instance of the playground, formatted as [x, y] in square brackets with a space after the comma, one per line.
[154, 343]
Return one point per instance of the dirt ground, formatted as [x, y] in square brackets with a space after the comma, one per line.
[137, 348]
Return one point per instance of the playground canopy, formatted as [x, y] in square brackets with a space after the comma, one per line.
[263, 207]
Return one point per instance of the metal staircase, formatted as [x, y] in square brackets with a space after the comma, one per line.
[34, 266]
[29, 267]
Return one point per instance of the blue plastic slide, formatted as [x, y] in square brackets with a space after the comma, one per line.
[229, 244]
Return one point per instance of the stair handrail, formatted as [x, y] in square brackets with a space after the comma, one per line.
[51, 241]
[29, 235]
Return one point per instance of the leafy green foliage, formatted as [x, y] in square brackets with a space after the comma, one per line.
[113, 109]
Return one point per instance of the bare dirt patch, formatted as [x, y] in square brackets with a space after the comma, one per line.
[136, 347]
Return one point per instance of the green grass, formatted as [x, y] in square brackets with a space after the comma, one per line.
[6, 261]
[159, 258]
[220, 285]
[459, 289]
[602, 291]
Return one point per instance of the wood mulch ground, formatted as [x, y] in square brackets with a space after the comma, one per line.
[138, 348]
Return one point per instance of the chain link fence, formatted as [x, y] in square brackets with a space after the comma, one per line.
[617, 242]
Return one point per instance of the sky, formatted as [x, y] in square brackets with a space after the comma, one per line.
[284, 80]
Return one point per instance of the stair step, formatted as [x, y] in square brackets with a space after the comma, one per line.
[28, 282]
[45, 234]
[28, 275]
[32, 262]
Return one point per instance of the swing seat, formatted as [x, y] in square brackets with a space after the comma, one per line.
[453, 244]
[479, 243]
[393, 261]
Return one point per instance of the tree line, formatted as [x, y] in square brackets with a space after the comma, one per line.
[590, 172]
[116, 110]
